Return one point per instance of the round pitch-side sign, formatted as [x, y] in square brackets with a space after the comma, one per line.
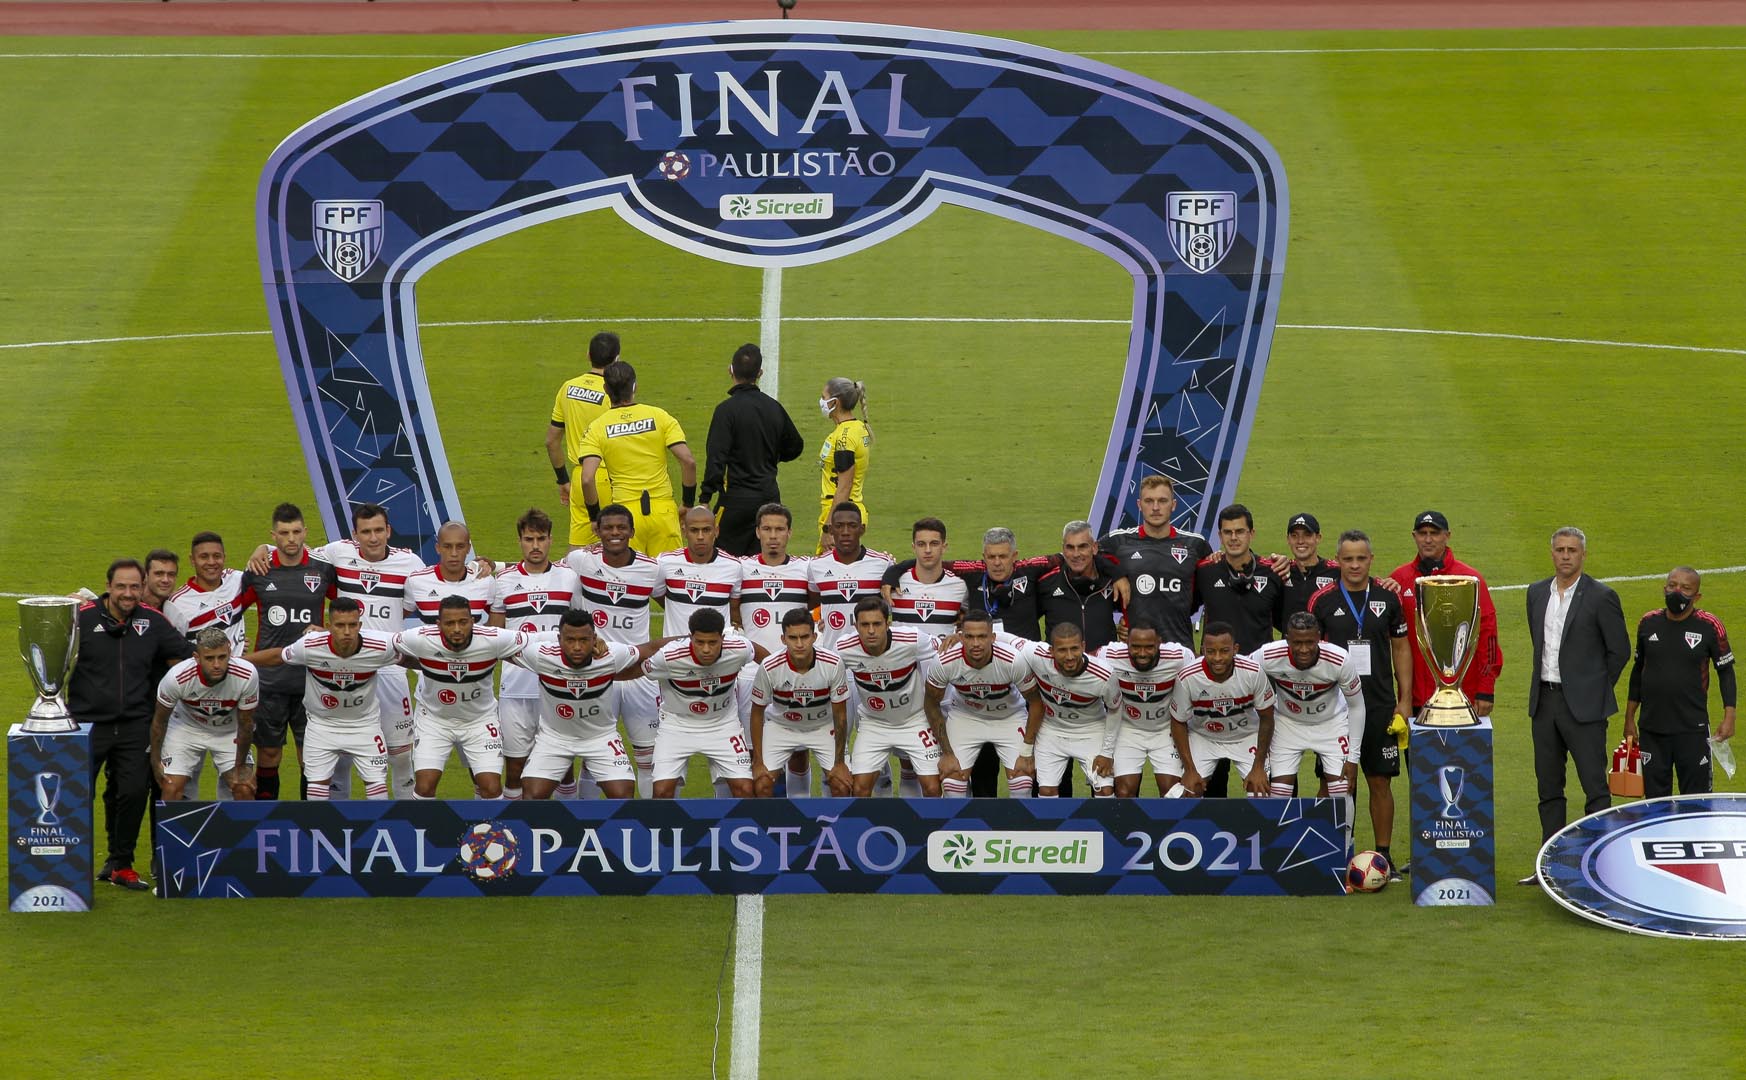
[1673, 867]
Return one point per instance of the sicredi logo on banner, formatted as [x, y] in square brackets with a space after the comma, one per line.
[1010, 851]
[775, 207]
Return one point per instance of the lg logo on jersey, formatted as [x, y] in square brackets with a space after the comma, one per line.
[1146, 585]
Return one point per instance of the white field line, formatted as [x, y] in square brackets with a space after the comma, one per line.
[748, 986]
[1331, 51]
[970, 319]
[1494, 588]
[770, 331]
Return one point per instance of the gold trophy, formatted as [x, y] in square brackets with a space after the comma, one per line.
[1448, 623]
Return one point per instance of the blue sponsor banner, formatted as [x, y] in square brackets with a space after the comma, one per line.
[769, 144]
[48, 818]
[1673, 867]
[1454, 831]
[1155, 847]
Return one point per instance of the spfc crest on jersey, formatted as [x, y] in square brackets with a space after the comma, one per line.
[1203, 225]
[140, 626]
[615, 591]
[536, 600]
[924, 609]
[1377, 607]
[847, 588]
[369, 579]
[1180, 554]
[696, 588]
[773, 588]
[458, 669]
[1021, 584]
[312, 582]
[348, 235]
[1693, 640]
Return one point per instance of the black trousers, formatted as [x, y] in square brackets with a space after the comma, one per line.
[120, 751]
[1557, 734]
[1686, 751]
[739, 523]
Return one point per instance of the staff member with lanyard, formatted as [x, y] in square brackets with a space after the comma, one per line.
[843, 460]
[631, 442]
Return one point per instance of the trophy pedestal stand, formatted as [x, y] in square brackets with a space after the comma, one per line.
[49, 819]
[1454, 838]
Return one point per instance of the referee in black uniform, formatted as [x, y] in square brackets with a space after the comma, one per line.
[749, 435]
[1670, 683]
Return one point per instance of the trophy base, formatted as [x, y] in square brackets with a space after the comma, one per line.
[1448, 708]
[48, 717]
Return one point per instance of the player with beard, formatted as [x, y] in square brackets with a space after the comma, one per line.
[531, 596]
[1222, 709]
[457, 710]
[774, 584]
[162, 569]
[988, 678]
[1145, 668]
[889, 668]
[206, 705]
[1310, 678]
[1079, 718]
[800, 702]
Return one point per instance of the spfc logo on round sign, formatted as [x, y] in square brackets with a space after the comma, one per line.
[1202, 226]
[348, 235]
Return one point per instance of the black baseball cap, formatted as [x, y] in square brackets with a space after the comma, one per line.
[1433, 518]
[1306, 522]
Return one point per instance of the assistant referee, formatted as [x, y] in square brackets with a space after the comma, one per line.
[749, 436]
[631, 441]
[579, 401]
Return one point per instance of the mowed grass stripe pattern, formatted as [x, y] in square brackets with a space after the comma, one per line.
[1499, 192]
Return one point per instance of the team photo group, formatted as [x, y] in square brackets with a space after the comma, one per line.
[793, 658]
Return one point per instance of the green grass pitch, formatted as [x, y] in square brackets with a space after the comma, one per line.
[1568, 194]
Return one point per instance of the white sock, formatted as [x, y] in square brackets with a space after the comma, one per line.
[645, 763]
[1176, 791]
[371, 791]
[566, 791]
[318, 789]
[1020, 787]
[1281, 789]
[512, 793]
[908, 786]
[421, 798]
[400, 766]
[800, 782]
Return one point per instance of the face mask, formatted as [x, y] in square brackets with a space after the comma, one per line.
[1677, 602]
[827, 405]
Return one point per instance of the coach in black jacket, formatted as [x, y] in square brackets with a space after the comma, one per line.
[124, 649]
[1575, 668]
[749, 436]
[1081, 589]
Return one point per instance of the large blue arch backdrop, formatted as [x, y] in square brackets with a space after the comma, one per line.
[769, 144]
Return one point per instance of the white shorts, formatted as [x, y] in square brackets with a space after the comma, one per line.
[729, 754]
[969, 733]
[603, 757]
[780, 741]
[1207, 753]
[743, 695]
[876, 741]
[1292, 741]
[395, 699]
[185, 744]
[1055, 750]
[324, 749]
[638, 704]
[433, 739]
[520, 719]
[1136, 748]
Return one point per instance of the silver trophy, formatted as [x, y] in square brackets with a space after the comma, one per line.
[1450, 780]
[48, 642]
[48, 792]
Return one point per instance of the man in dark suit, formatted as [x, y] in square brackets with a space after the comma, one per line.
[1580, 650]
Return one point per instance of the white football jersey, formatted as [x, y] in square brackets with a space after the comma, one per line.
[932, 608]
[800, 700]
[211, 707]
[889, 687]
[575, 702]
[769, 592]
[986, 692]
[839, 584]
[426, 591]
[340, 691]
[379, 586]
[618, 596]
[693, 586]
[1073, 704]
[456, 685]
[533, 604]
[192, 609]
[695, 695]
[1228, 710]
[1307, 695]
[1146, 694]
